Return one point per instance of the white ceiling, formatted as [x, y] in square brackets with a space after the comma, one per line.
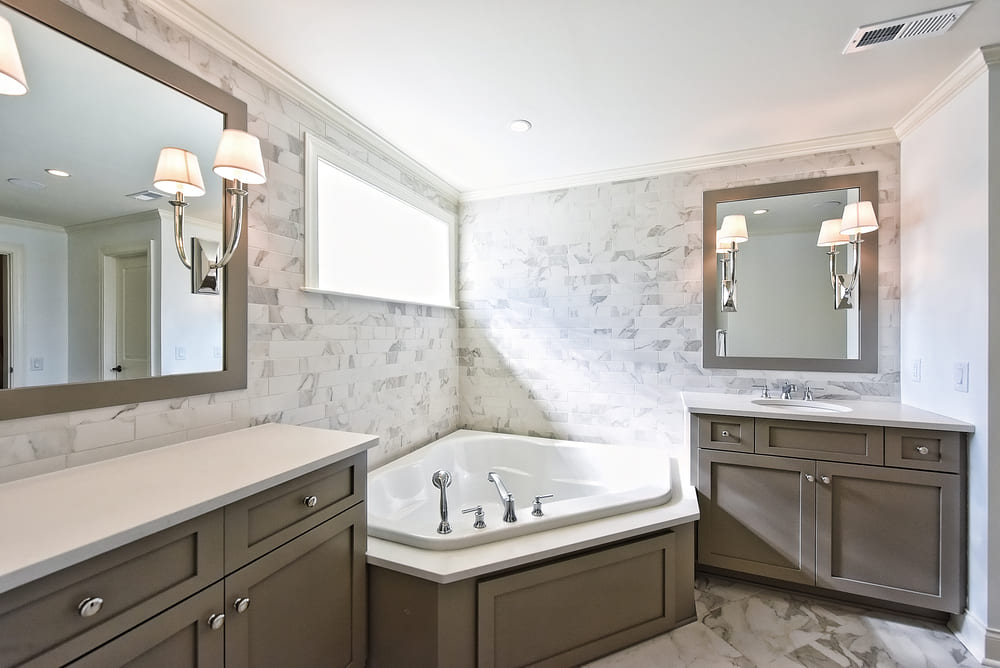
[607, 84]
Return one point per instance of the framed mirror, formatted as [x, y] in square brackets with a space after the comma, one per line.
[771, 304]
[96, 308]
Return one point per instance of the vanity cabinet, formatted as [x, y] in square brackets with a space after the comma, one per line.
[889, 529]
[274, 579]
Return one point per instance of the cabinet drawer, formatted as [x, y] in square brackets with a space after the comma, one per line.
[725, 433]
[260, 523]
[859, 444]
[42, 625]
[923, 449]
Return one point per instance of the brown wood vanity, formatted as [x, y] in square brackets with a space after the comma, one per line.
[857, 509]
[287, 562]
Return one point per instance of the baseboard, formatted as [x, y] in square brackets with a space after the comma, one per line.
[981, 641]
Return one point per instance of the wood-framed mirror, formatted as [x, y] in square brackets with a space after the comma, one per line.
[81, 255]
[782, 316]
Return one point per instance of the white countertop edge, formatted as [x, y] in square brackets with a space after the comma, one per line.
[883, 413]
[447, 566]
[103, 542]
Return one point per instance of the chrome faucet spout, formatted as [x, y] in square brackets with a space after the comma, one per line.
[505, 497]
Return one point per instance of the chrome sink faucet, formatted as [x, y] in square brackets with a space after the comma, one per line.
[505, 497]
[786, 390]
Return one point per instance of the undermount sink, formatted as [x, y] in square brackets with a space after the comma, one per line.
[801, 405]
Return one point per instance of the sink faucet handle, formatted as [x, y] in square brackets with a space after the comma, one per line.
[480, 522]
[765, 392]
[807, 392]
[536, 506]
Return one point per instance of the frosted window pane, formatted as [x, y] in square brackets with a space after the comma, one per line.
[372, 244]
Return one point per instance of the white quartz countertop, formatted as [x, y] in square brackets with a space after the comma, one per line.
[59, 519]
[885, 413]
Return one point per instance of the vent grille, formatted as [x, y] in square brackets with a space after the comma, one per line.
[908, 27]
[146, 195]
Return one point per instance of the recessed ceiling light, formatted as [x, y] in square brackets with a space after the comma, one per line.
[27, 184]
[520, 125]
[759, 211]
[58, 172]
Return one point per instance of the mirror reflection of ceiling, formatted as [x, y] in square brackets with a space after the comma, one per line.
[86, 114]
[789, 213]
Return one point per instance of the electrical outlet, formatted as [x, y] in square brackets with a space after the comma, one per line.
[37, 363]
[915, 370]
[180, 353]
[961, 376]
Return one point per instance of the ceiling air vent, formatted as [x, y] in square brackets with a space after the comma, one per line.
[908, 27]
[146, 195]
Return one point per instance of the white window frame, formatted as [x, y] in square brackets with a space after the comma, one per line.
[318, 148]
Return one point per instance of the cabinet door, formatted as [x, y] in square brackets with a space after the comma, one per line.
[306, 601]
[180, 637]
[890, 534]
[758, 515]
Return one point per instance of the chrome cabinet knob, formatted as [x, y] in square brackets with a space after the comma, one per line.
[90, 606]
[810, 477]
[825, 479]
[310, 501]
[216, 621]
[922, 449]
[241, 604]
[725, 433]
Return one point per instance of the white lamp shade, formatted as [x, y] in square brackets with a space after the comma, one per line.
[239, 158]
[859, 218]
[177, 171]
[12, 81]
[829, 233]
[723, 246]
[734, 230]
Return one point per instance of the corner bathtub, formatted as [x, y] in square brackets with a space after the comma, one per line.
[589, 481]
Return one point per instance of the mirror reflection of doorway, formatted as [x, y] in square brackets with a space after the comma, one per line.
[127, 337]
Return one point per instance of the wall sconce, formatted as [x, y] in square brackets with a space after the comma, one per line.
[859, 218]
[12, 80]
[238, 160]
[732, 232]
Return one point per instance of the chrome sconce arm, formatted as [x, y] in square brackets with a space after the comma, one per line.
[844, 284]
[238, 193]
[728, 283]
[859, 218]
[727, 240]
[179, 204]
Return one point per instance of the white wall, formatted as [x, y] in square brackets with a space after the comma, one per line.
[40, 262]
[945, 300]
[192, 322]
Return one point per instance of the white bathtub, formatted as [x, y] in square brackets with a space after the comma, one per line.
[589, 480]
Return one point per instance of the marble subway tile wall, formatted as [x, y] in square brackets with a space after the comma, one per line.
[581, 308]
[336, 362]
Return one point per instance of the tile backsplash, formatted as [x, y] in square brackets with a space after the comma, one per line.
[582, 308]
[339, 362]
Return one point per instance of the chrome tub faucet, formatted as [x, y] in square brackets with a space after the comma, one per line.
[505, 496]
[442, 479]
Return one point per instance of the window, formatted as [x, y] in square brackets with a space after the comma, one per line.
[368, 236]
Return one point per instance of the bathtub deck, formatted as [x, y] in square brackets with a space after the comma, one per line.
[447, 566]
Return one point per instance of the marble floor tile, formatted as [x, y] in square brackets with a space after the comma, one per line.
[741, 624]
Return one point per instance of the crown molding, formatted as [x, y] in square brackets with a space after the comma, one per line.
[192, 20]
[963, 75]
[743, 156]
[32, 224]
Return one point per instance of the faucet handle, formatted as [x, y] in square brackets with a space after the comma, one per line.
[765, 392]
[480, 522]
[536, 506]
[807, 392]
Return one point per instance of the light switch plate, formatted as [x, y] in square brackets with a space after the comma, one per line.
[180, 353]
[961, 376]
[38, 364]
[915, 370]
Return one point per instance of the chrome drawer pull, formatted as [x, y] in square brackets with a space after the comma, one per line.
[216, 621]
[310, 501]
[241, 604]
[810, 477]
[922, 449]
[825, 479]
[90, 606]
